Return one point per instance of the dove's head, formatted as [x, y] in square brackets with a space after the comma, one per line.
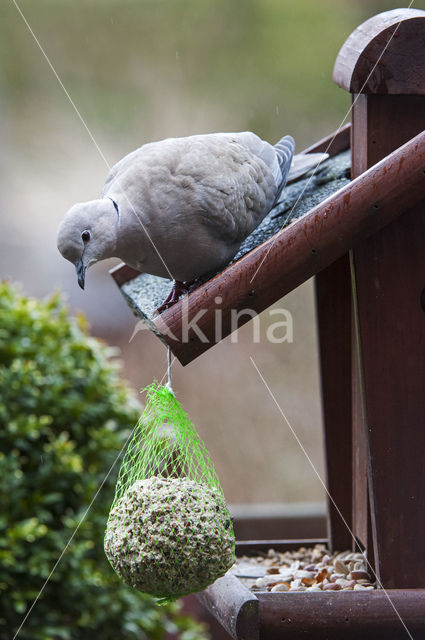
[88, 233]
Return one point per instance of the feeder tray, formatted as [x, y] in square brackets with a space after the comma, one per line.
[364, 243]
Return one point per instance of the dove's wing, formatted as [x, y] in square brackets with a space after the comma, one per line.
[206, 193]
[277, 158]
[234, 186]
[227, 182]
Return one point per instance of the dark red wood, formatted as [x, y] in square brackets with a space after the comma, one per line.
[390, 272]
[301, 250]
[193, 607]
[333, 309]
[122, 273]
[248, 615]
[377, 57]
[234, 606]
[346, 615]
[333, 304]
[389, 379]
[370, 114]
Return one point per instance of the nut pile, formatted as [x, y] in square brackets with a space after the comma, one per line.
[313, 569]
[170, 536]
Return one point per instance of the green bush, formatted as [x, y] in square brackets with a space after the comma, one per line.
[64, 416]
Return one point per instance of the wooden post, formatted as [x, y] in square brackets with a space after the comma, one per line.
[333, 309]
[382, 65]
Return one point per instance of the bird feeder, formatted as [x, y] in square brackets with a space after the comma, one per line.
[365, 245]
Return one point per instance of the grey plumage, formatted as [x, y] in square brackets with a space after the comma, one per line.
[180, 207]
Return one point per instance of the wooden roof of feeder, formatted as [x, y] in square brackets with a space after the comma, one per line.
[328, 215]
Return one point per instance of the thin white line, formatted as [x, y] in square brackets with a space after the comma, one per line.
[80, 523]
[327, 492]
[169, 363]
[328, 147]
[89, 132]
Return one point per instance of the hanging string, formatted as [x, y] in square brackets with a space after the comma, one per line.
[168, 385]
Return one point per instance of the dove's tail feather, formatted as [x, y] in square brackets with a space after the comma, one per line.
[284, 151]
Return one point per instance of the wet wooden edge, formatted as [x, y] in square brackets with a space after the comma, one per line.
[234, 606]
[383, 43]
[231, 602]
[377, 615]
[248, 615]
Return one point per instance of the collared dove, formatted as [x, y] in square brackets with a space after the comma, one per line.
[181, 207]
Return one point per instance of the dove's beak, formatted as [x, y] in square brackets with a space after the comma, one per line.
[80, 268]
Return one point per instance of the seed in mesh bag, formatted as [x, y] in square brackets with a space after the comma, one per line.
[170, 536]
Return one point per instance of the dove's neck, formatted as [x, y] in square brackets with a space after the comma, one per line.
[141, 239]
[106, 233]
[132, 243]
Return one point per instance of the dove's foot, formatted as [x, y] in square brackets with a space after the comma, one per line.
[178, 289]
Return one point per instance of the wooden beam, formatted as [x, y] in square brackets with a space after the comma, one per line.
[298, 252]
[373, 615]
[333, 310]
[377, 57]
[390, 274]
[370, 615]
[234, 606]
[382, 64]
[122, 273]
[333, 307]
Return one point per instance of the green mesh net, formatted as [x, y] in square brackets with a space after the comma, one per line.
[169, 531]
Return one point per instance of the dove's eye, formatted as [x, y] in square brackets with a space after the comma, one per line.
[85, 236]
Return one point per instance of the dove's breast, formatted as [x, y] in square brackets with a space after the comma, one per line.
[197, 198]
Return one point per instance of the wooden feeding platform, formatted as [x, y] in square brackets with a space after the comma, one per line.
[364, 241]
[323, 615]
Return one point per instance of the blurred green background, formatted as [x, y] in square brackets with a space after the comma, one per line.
[143, 70]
